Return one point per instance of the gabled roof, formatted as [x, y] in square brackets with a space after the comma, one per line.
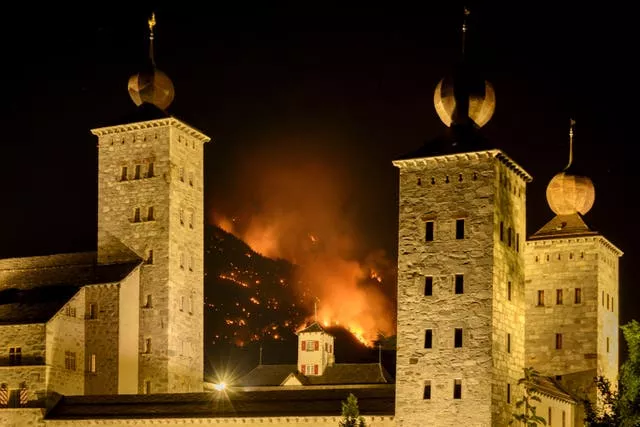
[564, 226]
[314, 327]
[33, 289]
[550, 387]
[266, 375]
[286, 402]
[337, 374]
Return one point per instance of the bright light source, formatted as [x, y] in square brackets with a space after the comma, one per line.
[220, 386]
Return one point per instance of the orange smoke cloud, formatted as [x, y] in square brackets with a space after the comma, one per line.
[299, 210]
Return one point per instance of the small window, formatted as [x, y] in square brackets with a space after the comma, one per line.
[457, 338]
[603, 298]
[190, 262]
[124, 174]
[147, 345]
[459, 229]
[150, 171]
[191, 219]
[93, 312]
[136, 215]
[612, 304]
[429, 231]
[147, 387]
[607, 301]
[182, 303]
[70, 360]
[457, 389]
[558, 296]
[426, 394]
[501, 231]
[182, 260]
[549, 417]
[428, 286]
[578, 296]
[564, 419]
[509, 237]
[428, 338]
[149, 301]
[15, 356]
[181, 216]
[508, 343]
[558, 341]
[607, 344]
[459, 283]
[508, 393]
[150, 256]
[137, 171]
[517, 242]
[509, 291]
[92, 364]
[540, 298]
[191, 179]
[150, 214]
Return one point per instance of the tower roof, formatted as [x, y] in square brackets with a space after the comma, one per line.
[314, 327]
[564, 226]
[150, 85]
[568, 192]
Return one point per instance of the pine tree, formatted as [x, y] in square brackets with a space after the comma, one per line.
[351, 413]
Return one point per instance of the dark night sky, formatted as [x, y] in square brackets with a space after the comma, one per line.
[348, 87]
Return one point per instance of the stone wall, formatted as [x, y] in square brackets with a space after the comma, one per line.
[65, 340]
[33, 417]
[101, 339]
[508, 314]
[128, 333]
[475, 187]
[31, 340]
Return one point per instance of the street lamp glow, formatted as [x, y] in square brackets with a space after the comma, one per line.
[220, 386]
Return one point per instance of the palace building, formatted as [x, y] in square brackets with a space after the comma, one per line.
[115, 336]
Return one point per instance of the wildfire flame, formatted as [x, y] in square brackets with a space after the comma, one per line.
[297, 213]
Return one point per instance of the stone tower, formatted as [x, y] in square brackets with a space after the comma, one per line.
[572, 291]
[461, 292]
[150, 207]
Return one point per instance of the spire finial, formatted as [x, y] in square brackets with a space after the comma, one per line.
[315, 309]
[467, 12]
[572, 125]
[152, 23]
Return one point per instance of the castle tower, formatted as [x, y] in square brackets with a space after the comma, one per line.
[315, 350]
[150, 207]
[460, 331]
[572, 290]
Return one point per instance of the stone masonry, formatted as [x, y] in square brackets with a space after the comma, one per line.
[150, 207]
[572, 292]
[487, 191]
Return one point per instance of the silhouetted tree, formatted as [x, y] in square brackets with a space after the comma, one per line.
[528, 415]
[619, 408]
[351, 413]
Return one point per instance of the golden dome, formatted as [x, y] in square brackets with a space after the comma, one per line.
[482, 102]
[568, 194]
[151, 87]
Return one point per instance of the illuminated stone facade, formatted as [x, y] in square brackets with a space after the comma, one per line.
[572, 309]
[150, 206]
[460, 266]
[315, 350]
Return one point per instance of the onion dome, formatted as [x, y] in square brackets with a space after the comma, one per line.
[464, 98]
[151, 86]
[568, 193]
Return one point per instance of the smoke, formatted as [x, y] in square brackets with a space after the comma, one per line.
[300, 207]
